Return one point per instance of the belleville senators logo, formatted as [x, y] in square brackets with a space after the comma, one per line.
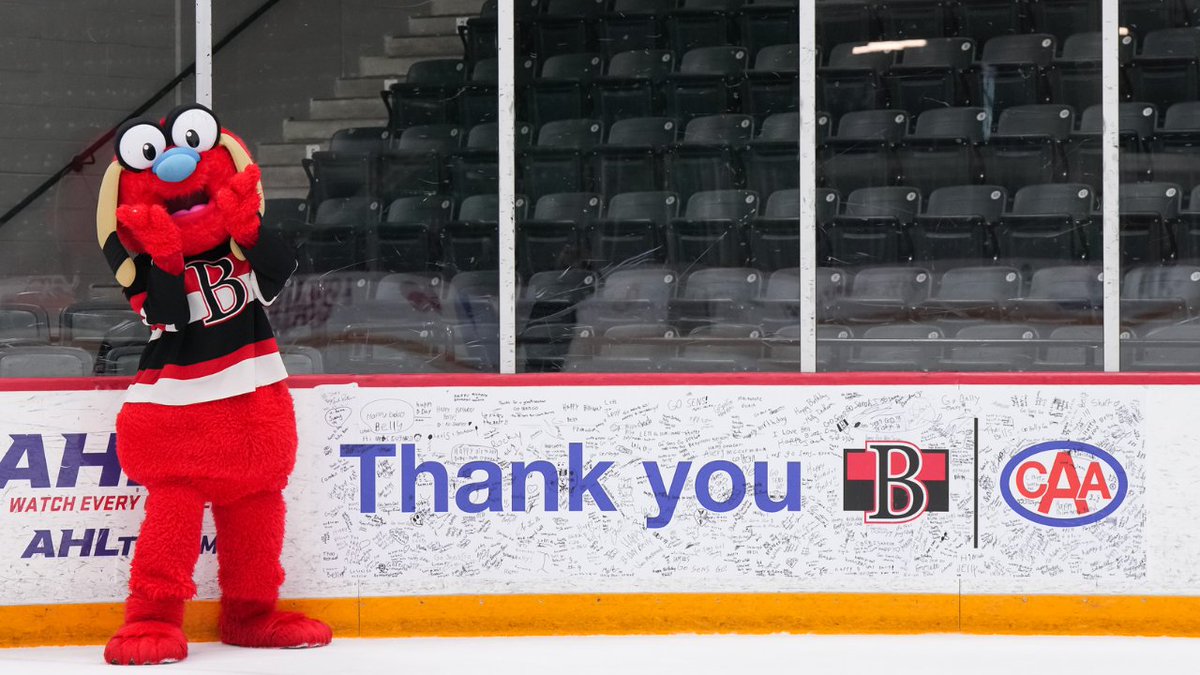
[894, 482]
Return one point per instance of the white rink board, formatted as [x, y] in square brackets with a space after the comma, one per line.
[1146, 545]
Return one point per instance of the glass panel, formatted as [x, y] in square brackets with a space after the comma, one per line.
[662, 226]
[958, 185]
[1160, 226]
[386, 181]
[65, 83]
[390, 201]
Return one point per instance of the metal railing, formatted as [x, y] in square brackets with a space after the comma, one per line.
[88, 155]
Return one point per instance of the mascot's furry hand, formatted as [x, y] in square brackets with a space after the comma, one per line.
[239, 202]
[153, 230]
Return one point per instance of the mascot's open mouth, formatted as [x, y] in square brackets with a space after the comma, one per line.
[187, 205]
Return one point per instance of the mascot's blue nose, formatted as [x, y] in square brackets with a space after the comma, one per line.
[176, 164]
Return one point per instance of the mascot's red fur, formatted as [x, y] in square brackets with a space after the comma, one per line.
[208, 418]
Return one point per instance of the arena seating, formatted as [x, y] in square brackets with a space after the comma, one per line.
[658, 223]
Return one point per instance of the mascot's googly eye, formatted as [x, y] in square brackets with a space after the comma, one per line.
[139, 144]
[195, 127]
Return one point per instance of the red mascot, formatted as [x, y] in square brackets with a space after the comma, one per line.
[208, 418]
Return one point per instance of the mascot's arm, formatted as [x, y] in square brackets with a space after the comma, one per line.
[272, 261]
[157, 292]
[158, 295]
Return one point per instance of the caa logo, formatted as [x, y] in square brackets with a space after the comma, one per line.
[1064, 484]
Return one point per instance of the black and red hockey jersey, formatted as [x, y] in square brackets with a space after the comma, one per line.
[209, 334]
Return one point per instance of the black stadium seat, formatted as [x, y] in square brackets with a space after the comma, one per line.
[632, 85]
[565, 26]
[479, 33]
[873, 229]
[853, 81]
[1142, 17]
[556, 162]
[944, 148]
[562, 90]
[861, 153]
[1084, 352]
[958, 226]
[716, 295]
[705, 158]
[414, 165]
[882, 294]
[45, 361]
[631, 158]
[1028, 146]
[843, 21]
[633, 24]
[700, 23]
[919, 350]
[1149, 356]
[1061, 18]
[711, 231]
[930, 76]
[1011, 71]
[708, 82]
[550, 297]
[765, 24]
[427, 94]
[1168, 68]
[772, 86]
[971, 294]
[1085, 147]
[986, 19]
[405, 236]
[1158, 293]
[991, 357]
[633, 230]
[338, 233]
[1149, 212]
[909, 19]
[771, 161]
[1187, 232]
[553, 238]
[1063, 295]
[774, 237]
[1173, 147]
[1076, 78]
[722, 347]
[1048, 223]
[634, 295]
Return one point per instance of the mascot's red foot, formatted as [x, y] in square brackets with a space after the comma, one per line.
[257, 624]
[146, 643]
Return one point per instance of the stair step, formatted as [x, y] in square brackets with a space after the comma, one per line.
[284, 177]
[452, 8]
[286, 192]
[362, 87]
[286, 154]
[385, 66]
[340, 108]
[430, 46]
[321, 130]
[433, 25]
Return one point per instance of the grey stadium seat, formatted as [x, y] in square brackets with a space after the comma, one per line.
[43, 361]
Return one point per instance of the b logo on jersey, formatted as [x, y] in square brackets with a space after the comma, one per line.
[894, 482]
[225, 295]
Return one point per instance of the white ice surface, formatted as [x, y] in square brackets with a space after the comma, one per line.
[689, 654]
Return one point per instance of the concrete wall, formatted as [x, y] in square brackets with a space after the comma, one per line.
[71, 69]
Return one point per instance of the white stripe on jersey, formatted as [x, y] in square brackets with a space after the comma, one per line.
[240, 378]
